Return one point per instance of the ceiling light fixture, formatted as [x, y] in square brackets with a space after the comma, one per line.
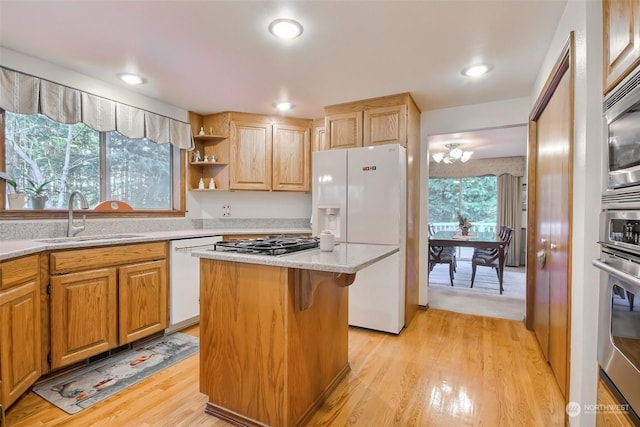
[284, 106]
[476, 70]
[285, 29]
[453, 155]
[132, 79]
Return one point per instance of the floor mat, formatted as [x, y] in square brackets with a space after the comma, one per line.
[77, 390]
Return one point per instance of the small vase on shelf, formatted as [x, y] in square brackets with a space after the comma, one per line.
[465, 231]
[201, 184]
[212, 184]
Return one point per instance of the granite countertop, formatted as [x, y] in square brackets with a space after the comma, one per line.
[345, 258]
[15, 248]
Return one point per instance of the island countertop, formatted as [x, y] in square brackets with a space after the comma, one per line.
[345, 258]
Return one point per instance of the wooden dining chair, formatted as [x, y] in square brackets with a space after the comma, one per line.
[438, 255]
[442, 255]
[491, 258]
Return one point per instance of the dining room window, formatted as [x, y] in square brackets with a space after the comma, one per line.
[476, 198]
[60, 158]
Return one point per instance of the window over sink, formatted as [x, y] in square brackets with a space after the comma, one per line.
[102, 165]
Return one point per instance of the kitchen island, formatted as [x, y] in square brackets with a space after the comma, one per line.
[274, 330]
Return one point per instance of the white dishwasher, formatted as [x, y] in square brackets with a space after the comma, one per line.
[184, 287]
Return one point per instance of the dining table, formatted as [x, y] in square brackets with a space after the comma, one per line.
[472, 240]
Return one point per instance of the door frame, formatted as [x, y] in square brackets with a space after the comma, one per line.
[565, 63]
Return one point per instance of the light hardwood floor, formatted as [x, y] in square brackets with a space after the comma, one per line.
[445, 369]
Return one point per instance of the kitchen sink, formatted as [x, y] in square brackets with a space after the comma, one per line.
[88, 238]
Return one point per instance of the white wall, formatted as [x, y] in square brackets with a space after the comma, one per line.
[250, 204]
[584, 17]
[64, 76]
[244, 204]
[509, 112]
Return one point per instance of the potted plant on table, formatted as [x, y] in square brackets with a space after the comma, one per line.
[16, 197]
[464, 224]
[38, 195]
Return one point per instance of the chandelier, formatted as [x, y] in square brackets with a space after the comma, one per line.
[453, 155]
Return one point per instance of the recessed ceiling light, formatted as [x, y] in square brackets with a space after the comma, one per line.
[131, 79]
[285, 29]
[284, 106]
[476, 70]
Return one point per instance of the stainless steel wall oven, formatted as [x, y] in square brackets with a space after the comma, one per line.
[619, 311]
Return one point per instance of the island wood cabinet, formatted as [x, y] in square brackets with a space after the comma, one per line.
[264, 359]
[20, 338]
[269, 154]
[105, 297]
[621, 44]
[375, 121]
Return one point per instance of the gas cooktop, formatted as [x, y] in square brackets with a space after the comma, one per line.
[271, 245]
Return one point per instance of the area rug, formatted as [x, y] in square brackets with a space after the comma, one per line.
[77, 390]
[484, 298]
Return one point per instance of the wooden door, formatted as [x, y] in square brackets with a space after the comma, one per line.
[250, 156]
[550, 169]
[291, 158]
[621, 50]
[83, 315]
[344, 130]
[20, 344]
[142, 294]
[385, 125]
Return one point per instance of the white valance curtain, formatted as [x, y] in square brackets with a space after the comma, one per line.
[515, 166]
[25, 94]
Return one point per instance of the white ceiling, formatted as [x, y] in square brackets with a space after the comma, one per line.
[211, 56]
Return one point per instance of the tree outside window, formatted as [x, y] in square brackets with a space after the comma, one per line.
[71, 157]
[476, 198]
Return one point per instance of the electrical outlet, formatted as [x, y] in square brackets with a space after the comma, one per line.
[226, 210]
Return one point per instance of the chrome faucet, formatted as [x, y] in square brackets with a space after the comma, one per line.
[71, 229]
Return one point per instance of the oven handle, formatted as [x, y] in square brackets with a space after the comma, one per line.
[603, 265]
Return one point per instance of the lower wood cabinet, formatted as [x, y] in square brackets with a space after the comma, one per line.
[142, 294]
[20, 339]
[96, 309]
[84, 310]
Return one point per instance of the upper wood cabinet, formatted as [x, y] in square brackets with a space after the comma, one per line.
[252, 152]
[269, 153]
[291, 158]
[621, 44]
[369, 122]
[210, 157]
[20, 337]
[250, 156]
[344, 130]
[318, 136]
[385, 125]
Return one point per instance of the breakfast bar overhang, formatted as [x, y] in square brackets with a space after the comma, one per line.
[274, 330]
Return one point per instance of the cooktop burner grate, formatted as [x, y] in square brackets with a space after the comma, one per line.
[271, 245]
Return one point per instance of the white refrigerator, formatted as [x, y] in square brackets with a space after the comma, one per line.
[359, 194]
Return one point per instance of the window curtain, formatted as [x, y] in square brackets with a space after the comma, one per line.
[479, 167]
[509, 213]
[24, 94]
